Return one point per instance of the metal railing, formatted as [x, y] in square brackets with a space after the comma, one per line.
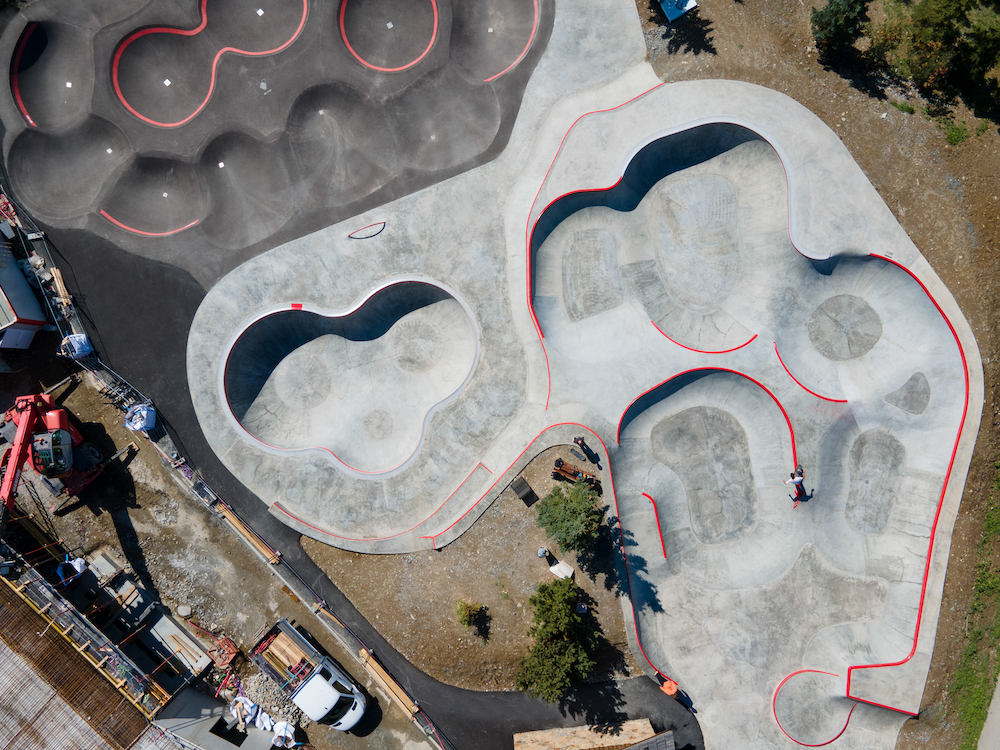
[86, 639]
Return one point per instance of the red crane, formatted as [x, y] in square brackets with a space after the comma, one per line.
[45, 436]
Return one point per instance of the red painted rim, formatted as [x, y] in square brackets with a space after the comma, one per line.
[133, 230]
[774, 710]
[215, 61]
[799, 382]
[360, 59]
[703, 351]
[16, 64]
[531, 38]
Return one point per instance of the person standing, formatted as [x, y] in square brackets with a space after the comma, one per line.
[797, 480]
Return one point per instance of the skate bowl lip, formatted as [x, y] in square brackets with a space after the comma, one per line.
[248, 323]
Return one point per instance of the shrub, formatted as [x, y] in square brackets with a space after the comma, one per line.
[838, 25]
[563, 652]
[982, 127]
[572, 519]
[956, 133]
[467, 612]
[904, 107]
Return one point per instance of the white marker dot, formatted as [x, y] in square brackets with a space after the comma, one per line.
[164, 195]
[322, 111]
[389, 25]
[166, 81]
[222, 164]
[109, 151]
[433, 137]
[69, 84]
[260, 11]
[491, 29]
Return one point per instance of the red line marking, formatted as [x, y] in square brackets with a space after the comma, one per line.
[17, 63]
[127, 228]
[799, 382]
[529, 229]
[360, 59]
[432, 537]
[937, 514]
[766, 390]
[774, 710]
[296, 305]
[658, 529]
[369, 226]
[520, 57]
[215, 62]
[702, 351]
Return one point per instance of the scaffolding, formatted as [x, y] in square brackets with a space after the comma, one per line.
[55, 618]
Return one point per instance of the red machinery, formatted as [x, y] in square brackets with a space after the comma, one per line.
[42, 433]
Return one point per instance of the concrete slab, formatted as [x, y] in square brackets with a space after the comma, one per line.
[688, 324]
[698, 277]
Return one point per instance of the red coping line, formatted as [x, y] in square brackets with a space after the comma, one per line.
[369, 226]
[215, 62]
[763, 387]
[127, 228]
[937, 514]
[702, 351]
[432, 537]
[296, 305]
[360, 59]
[529, 229]
[657, 514]
[774, 710]
[534, 28]
[614, 498]
[16, 64]
[799, 382]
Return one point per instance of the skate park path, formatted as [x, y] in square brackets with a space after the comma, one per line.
[697, 277]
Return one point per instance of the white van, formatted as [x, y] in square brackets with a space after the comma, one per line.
[314, 682]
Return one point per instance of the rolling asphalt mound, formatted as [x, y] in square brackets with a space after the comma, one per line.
[217, 125]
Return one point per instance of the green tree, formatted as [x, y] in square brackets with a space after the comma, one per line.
[839, 24]
[563, 652]
[572, 519]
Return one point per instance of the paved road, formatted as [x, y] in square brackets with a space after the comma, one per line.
[118, 308]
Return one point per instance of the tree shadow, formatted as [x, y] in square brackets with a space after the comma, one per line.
[859, 72]
[481, 623]
[632, 582]
[600, 559]
[114, 492]
[690, 33]
[609, 658]
[599, 704]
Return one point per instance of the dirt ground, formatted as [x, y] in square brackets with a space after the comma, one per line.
[179, 551]
[411, 598]
[945, 197]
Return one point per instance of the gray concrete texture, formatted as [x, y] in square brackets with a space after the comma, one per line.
[126, 124]
[698, 323]
[686, 274]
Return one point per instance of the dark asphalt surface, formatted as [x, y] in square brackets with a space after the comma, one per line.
[138, 314]
[399, 134]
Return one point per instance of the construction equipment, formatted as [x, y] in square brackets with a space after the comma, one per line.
[39, 430]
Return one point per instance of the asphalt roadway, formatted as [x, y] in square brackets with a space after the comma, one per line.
[117, 309]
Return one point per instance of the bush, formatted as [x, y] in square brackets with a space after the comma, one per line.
[904, 107]
[838, 25]
[562, 655]
[467, 612]
[572, 519]
[956, 133]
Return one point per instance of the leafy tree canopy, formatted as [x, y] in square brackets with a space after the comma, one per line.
[572, 519]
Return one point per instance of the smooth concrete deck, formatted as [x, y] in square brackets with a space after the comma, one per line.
[695, 309]
[698, 277]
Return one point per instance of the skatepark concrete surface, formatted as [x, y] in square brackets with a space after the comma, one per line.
[216, 128]
[696, 277]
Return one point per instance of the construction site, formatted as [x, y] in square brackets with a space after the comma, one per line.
[306, 305]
